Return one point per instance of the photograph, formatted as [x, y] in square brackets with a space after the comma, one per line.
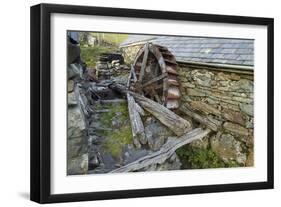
[153, 102]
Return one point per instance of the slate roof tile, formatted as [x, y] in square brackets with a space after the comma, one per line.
[203, 49]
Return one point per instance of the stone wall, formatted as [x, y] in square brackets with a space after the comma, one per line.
[129, 53]
[225, 98]
[77, 142]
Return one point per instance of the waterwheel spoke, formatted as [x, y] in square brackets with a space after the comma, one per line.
[144, 60]
[154, 80]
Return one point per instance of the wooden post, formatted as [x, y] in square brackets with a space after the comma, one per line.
[135, 119]
[144, 60]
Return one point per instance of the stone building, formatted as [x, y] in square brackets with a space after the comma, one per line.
[217, 81]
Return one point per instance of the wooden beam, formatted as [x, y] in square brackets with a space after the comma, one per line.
[160, 77]
[166, 151]
[167, 117]
[171, 120]
[136, 123]
[144, 60]
[135, 119]
[199, 118]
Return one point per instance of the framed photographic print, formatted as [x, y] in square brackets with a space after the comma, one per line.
[132, 103]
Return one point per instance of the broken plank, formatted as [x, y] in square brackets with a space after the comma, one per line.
[135, 119]
[171, 120]
[160, 77]
[166, 151]
[167, 117]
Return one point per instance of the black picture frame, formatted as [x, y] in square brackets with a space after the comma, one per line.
[41, 99]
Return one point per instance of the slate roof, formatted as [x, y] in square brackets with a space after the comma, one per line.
[201, 49]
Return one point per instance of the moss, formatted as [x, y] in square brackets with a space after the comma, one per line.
[117, 140]
[115, 110]
[121, 135]
[197, 158]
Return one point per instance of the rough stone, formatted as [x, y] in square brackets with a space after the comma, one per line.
[243, 100]
[203, 78]
[186, 98]
[77, 165]
[228, 148]
[71, 99]
[224, 83]
[194, 92]
[247, 108]
[201, 144]
[205, 108]
[236, 129]
[233, 116]
[243, 84]
[250, 159]
[212, 101]
[249, 124]
[222, 76]
[70, 85]
[156, 133]
[75, 118]
[229, 106]
[188, 85]
[234, 76]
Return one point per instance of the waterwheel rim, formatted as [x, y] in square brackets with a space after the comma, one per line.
[157, 77]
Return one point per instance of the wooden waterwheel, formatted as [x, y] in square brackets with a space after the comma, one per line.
[156, 75]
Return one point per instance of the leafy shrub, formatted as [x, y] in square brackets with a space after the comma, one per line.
[197, 158]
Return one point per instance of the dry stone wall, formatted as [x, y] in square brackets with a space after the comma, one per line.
[129, 53]
[227, 99]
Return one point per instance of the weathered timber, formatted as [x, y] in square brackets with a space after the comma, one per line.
[205, 108]
[199, 118]
[136, 123]
[166, 151]
[119, 88]
[139, 109]
[143, 65]
[135, 119]
[133, 77]
[160, 77]
[171, 120]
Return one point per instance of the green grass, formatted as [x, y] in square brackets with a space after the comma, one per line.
[112, 38]
[119, 137]
[117, 140]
